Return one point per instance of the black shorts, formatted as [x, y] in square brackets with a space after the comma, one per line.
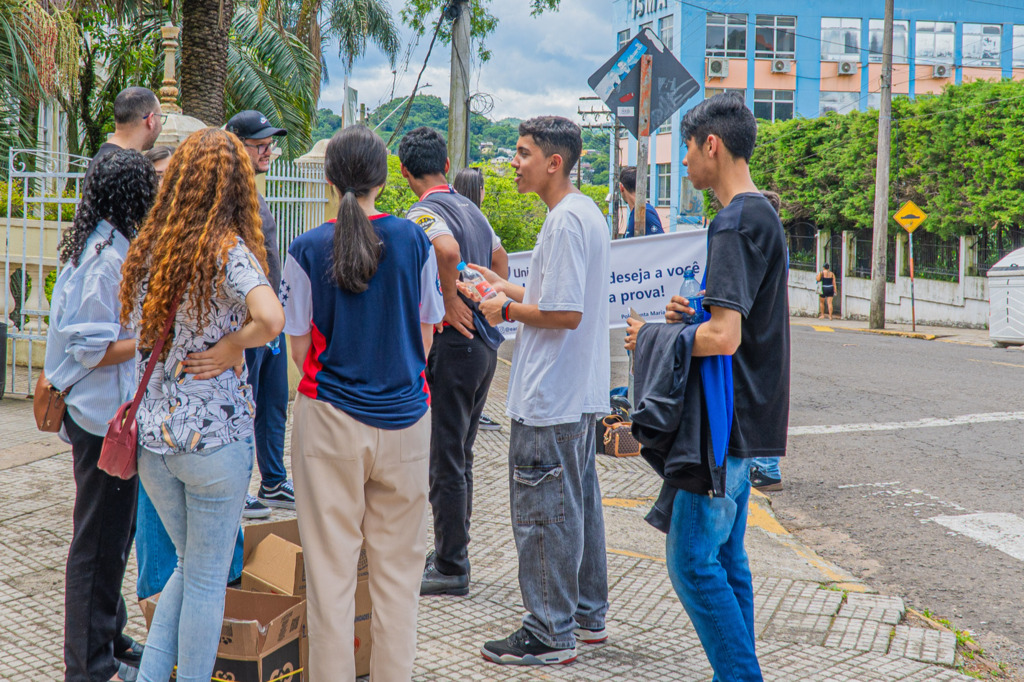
[827, 292]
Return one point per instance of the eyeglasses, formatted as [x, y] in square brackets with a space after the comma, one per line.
[261, 148]
[163, 117]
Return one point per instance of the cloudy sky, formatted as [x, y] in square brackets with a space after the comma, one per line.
[539, 65]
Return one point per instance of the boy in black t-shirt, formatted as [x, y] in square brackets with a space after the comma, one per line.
[747, 297]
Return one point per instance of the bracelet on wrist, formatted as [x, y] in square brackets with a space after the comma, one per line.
[505, 311]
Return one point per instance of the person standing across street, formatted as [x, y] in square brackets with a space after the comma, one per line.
[469, 182]
[627, 188]
[267, 365]
[138, 121]
[202, 247]
[747, 297]
[558, 387]
[361, 296]
[828, 290]
[89, 354]
[463, 355]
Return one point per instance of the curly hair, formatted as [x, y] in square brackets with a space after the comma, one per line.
[120, 189]
[207, 202]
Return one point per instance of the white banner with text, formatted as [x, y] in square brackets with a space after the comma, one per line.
[646, 272]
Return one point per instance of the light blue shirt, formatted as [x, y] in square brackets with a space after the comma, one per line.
[84, 320]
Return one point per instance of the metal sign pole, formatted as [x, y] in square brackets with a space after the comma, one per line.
[643, 148]
[913, 312]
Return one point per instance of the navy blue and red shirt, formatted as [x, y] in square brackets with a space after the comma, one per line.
[366, 355]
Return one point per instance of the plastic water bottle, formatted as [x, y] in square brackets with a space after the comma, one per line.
[474, 278]
[275, 345]
[690, 290]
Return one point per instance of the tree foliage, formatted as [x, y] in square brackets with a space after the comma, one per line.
[956, 155]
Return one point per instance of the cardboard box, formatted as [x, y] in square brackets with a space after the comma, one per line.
[259, 639]
[273, 564]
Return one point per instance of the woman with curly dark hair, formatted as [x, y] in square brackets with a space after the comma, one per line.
[89, 353]
[201, 245]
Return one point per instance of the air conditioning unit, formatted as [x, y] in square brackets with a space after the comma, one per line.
[718, 68]
[781, 66]
[848, 68]
[941, 71]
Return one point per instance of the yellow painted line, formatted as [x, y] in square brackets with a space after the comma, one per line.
[635, 555]
[818, 328]
[993, 362]
[851, 587]
[891, 332]
[758, 517]
[505, 361]
[626, 502]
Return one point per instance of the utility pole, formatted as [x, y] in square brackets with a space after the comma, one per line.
[643, 161]
[879, 243]
[458, 102]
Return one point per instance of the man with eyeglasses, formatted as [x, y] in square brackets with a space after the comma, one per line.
[137, 123]
[268, 367]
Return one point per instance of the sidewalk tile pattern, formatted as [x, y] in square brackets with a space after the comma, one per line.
[930, 646]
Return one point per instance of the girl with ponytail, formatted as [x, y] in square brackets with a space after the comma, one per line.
[361, 297]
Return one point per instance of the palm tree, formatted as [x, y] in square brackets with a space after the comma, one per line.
[205, 28]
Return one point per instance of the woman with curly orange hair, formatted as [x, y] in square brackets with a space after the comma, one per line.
[202, 246]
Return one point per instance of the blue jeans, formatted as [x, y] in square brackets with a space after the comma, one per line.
[268, 376]
[769, 466]
[155, 551]
[199, 498]
[558, 525]
[707, 564]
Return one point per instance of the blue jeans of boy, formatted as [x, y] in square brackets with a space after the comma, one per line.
[199, 498]
[268, 377]
[708, 566]
[769, 466]
[558, 525]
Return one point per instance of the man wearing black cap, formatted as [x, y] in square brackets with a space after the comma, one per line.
[268, 366]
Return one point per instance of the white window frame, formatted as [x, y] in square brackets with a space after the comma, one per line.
[779, 25]
[900, 41]
[726, 23]
[837, 34]
[775, 99]
[982, 39]
[926, 34]
[839, 102]
[623, 38]
[667, 30]
[664, 173]
[1018, 46]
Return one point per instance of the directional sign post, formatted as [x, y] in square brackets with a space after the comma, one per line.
[910, 218]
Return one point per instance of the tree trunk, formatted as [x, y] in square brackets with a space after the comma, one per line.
[204, 58]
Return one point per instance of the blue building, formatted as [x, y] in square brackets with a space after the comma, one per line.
[804, 58]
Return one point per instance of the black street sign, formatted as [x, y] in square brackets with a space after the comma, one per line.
[617, 82]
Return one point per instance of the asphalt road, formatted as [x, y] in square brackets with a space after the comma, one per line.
[933, 510]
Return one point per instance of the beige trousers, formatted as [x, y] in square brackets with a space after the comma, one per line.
[354, 481]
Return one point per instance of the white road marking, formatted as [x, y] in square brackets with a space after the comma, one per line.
[1005, 532]
[899, 426]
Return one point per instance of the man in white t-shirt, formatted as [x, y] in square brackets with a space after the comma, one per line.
[558, 387]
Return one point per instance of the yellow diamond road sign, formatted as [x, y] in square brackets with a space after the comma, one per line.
[910, 216]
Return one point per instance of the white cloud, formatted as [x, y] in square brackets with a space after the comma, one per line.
[538, 65]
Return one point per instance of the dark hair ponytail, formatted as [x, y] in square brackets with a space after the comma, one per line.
[356, 162]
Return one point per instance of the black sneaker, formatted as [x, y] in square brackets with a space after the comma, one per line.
[762, 482]
[281, 495]
[522, 648]
[488, 424]
[436, 582]
[254, 509]
[131, 655]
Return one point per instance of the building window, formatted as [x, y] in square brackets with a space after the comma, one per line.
[623, 38]
[775, 37]
[875, 100]
[666, 30]
[773, 105]
[900, 40]
[711, 92]
[982, 44]
[840, 39]
[664, 171]
[1018, 45]
[727, 35]
[644, 27]
[934, 43]
[840, 102]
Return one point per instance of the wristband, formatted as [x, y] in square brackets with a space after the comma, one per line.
[504, 311]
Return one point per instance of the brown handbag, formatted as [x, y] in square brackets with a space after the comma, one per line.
[618, 437]
[48, 405]
[118, 455]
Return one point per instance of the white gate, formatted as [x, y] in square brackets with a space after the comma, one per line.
[297, 196]
[42, 193]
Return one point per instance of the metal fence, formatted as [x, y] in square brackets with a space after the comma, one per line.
[42, 194]
[860, 265]
[802, 242]
[934, 257]
[297, 196]
[993, 245]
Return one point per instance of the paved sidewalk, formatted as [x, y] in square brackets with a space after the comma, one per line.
[814, 620]
[961, 335]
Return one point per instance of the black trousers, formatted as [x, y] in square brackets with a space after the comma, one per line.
[104, 517]
[459, 372]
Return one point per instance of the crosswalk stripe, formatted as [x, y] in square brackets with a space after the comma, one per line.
[899, 426]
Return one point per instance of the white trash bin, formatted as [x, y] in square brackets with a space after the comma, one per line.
[1006, 300]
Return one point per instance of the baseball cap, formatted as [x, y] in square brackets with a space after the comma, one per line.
[252, 125]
